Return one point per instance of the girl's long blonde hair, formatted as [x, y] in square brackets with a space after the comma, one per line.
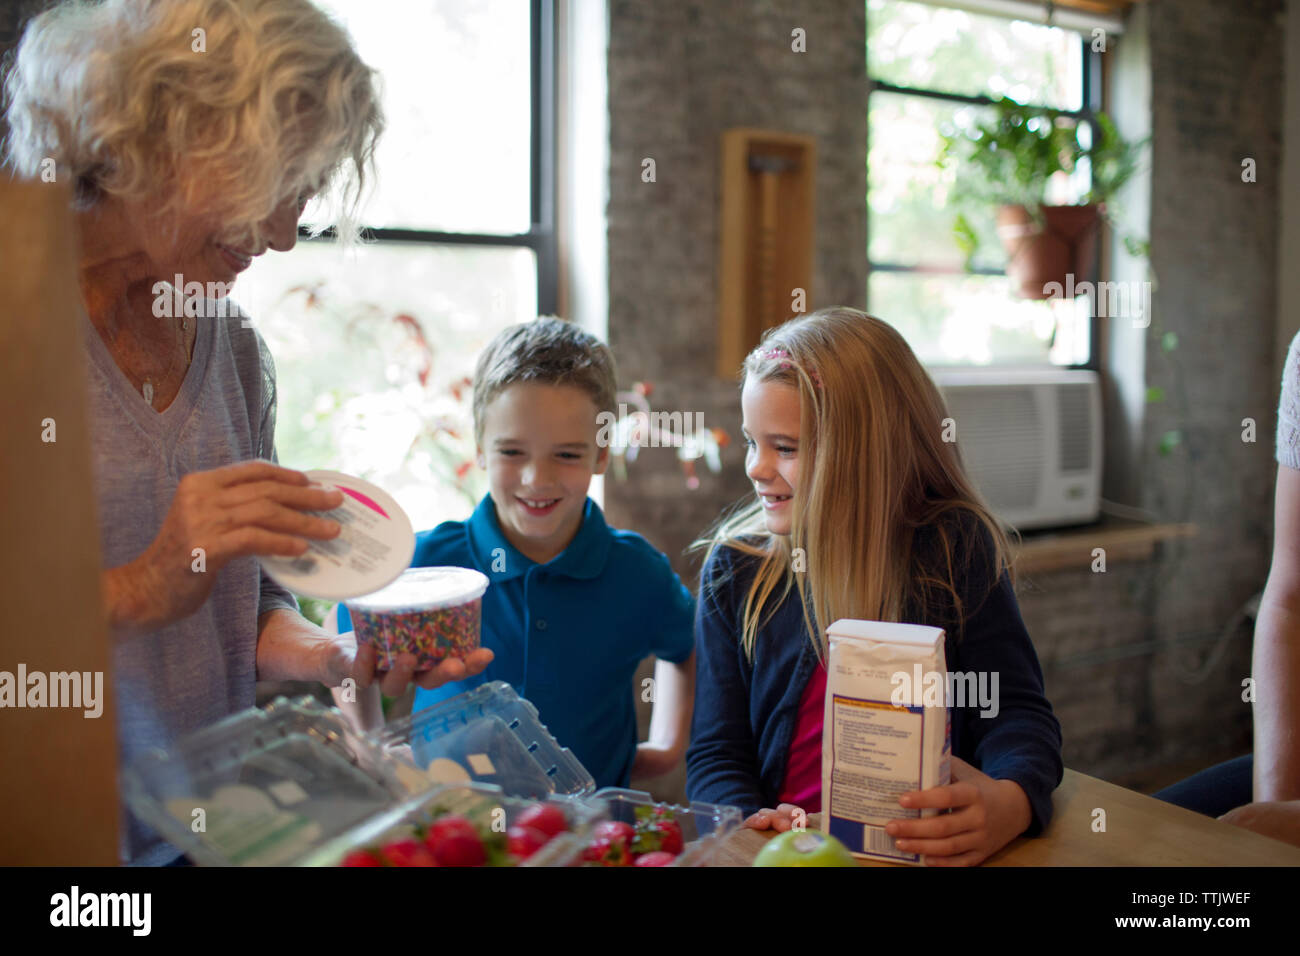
[874, 471]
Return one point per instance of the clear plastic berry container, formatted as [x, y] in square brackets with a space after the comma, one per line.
[487, 735]
[492, 814]
[263, 787]
[704, 826]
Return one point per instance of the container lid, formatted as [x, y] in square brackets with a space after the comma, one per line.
[374, 547]
[425, 589]
[269, 785]
[487, 735]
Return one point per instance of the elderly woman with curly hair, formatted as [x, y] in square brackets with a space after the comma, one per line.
[195, 132]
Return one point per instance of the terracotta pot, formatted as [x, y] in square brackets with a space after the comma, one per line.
[1037, 256]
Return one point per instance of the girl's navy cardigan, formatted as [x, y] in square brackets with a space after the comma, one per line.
[745, 713]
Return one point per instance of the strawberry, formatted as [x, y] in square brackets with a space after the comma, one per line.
[545, 817]
[453, 824]
[522, 842]
[656, 858]
[670, 835]
[361, 858]
[616, 831]
[605, 851]
[460, 849]
[407, 853]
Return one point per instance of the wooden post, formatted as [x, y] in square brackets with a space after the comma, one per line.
[765, 232]
[58, 767]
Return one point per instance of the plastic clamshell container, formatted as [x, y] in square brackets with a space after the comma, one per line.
[487, 735]
[705, 826]
[448, 743]
[270, 785]
[479, 803]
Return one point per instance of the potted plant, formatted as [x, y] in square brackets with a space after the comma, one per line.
[1012, 158]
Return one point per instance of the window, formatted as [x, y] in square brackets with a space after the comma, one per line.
[374, 346]
[933, 68]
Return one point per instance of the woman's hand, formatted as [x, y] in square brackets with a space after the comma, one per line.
[392, 683]
[1279, 819]
[785, 817]
[216, 516]
[986, 815]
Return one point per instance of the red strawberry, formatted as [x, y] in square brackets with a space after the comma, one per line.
[451, 825]
[522, 842]
[545, 817]
[615, 831]
[360, 858]
[607, 852]
[670, 835]
[460, 849]
[407, 853]
[657, 858]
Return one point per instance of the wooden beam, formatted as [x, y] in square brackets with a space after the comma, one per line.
[58, 765]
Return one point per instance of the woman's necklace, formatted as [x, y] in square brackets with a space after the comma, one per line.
[149, 386]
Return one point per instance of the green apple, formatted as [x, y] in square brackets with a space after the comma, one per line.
[804, 848]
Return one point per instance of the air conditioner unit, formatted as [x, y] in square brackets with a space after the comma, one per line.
[1030, 440]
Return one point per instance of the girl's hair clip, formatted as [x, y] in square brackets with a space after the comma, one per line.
[783, 356]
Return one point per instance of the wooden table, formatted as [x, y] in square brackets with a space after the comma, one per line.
[1140, 831]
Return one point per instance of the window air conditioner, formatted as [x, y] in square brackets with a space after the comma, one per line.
[1030, 440]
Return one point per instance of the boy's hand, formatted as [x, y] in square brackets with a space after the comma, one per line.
[781, 819]
[653, 761]
[984, 816]
[1279, 819]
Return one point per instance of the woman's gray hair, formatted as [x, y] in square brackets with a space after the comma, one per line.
[234, 104]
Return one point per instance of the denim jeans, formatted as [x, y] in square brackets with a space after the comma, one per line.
[1215, 790]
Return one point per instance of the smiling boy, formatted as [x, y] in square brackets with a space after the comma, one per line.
[573, 606]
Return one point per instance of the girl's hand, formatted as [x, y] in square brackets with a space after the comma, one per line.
[781, 819]
[986, 815]
[251, 508]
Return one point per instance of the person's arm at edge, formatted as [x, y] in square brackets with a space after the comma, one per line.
[674, 681]
[1275, 658]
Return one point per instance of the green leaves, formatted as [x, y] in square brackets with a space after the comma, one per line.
[967, 239]
[1009, 158]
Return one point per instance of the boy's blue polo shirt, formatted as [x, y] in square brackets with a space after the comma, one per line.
[569, 634]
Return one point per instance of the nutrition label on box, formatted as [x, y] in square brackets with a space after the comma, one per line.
[876, 756]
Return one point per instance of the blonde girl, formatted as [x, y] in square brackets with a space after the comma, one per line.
[861, 510]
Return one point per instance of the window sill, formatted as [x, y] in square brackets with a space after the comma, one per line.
[1072, 548]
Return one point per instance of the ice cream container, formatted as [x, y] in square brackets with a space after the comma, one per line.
[433, 613]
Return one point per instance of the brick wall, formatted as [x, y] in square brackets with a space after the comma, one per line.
[1112, 645]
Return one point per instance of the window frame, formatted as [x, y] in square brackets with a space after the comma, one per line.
[1092, 104]
[541, 234]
